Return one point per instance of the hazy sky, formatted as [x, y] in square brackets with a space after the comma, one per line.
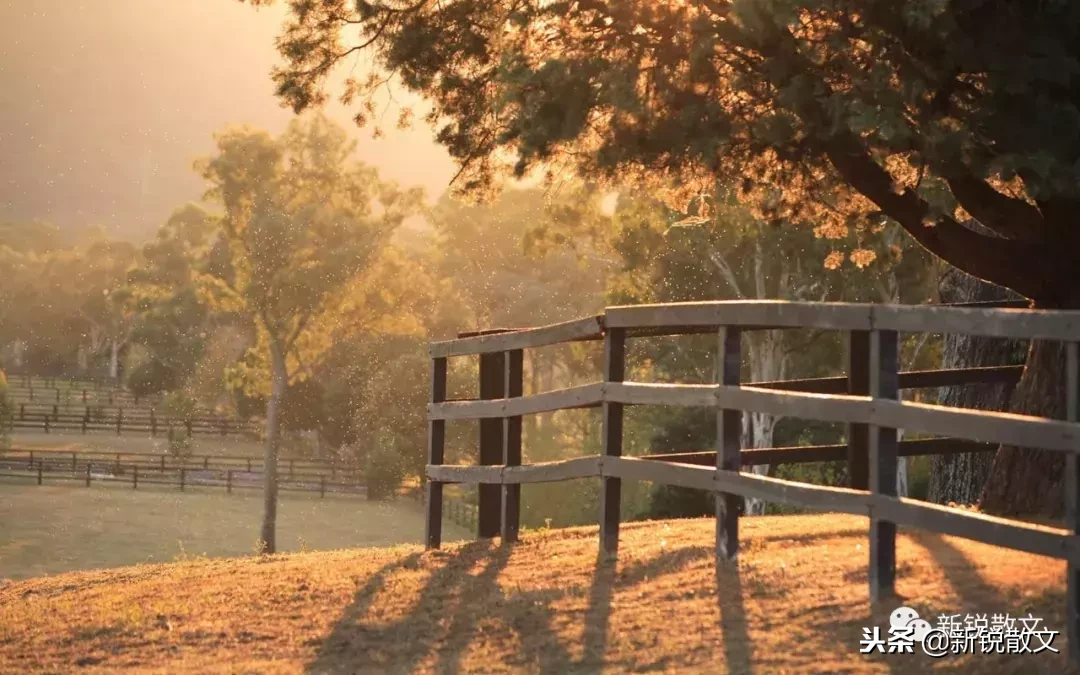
[105, 104]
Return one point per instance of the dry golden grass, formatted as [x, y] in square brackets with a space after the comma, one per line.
[795, 603]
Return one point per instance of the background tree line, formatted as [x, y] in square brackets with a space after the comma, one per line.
[304, 290]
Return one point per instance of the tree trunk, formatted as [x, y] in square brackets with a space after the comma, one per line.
[114, 360]
[273, 423]
[1026, 481]
[960, 478]
[767, 363]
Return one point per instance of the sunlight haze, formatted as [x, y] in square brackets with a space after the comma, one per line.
[105, 105]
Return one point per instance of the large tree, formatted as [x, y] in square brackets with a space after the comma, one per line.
[302, 219]
[837, 113]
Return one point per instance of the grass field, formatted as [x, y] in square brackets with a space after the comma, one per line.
[47, 529]
[795, 602]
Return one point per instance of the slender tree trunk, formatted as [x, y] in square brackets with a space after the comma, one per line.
[960, 478]
[766, 363]
[114, 360]
[273, 424]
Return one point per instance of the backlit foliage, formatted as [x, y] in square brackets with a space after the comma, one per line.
[831, 112]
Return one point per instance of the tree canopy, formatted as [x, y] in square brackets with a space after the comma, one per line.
[833, 113]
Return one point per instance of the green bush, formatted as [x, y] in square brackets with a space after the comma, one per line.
[384, 469]
[152, 377]
[671, 501]
[179, 443]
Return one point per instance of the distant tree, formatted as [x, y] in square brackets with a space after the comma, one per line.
[302, 221]
[169, 318]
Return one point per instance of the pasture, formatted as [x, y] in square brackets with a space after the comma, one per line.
[796, 601]
[52, 529]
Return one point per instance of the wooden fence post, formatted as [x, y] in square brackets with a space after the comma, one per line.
[88, 474]
[511, 493]
[73, 462]
[611, 488]
[135, 477]
[858, 435]
[183, 471]
[1072, 500]
[884, 383]
[728, 443]
[153, 424]
[436, 448]
[228, 481]
[119, 419]
[162, 470]
[322, 486]
[39, 472]
[492, 382]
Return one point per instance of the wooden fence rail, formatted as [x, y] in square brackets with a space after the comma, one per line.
[162, 462]
[866, 399]
[182, 477]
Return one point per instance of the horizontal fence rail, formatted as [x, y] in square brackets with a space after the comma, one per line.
[866, 399]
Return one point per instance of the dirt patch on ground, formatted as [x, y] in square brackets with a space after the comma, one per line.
[795, 602]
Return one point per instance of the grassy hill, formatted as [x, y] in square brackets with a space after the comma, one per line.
[796, 601]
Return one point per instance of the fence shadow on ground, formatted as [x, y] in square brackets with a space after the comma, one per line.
[462, 600]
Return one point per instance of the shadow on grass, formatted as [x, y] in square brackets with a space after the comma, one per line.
[738, 650]
[974, 592]
[457, 607]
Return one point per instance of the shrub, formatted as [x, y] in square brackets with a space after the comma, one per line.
[671, 501]
[179, 443]
[152, 377]
[384, 469]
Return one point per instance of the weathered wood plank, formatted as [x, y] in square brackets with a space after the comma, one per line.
[801, 454]
[551, 472]
[511, 494]
[436, 447]
[589, 328]
[913, 379]
[988, 322]
[728, 443]
[611, 488]
[545, 472]
[742, 313]
[858, 432]
[978, 425]
[453, 473]
[1023, 324]
[776, 490]
[884, 383]
[1016, 535]
[492, 386]
[664, 473]
[581, 396]
[642, 393]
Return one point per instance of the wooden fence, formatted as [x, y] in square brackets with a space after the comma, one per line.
[74, 459]
[53, 420]
[866, 399]
[137, 469]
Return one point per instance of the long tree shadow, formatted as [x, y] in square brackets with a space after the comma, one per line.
[975, 592]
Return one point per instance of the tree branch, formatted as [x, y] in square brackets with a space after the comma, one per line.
[1008, 216]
